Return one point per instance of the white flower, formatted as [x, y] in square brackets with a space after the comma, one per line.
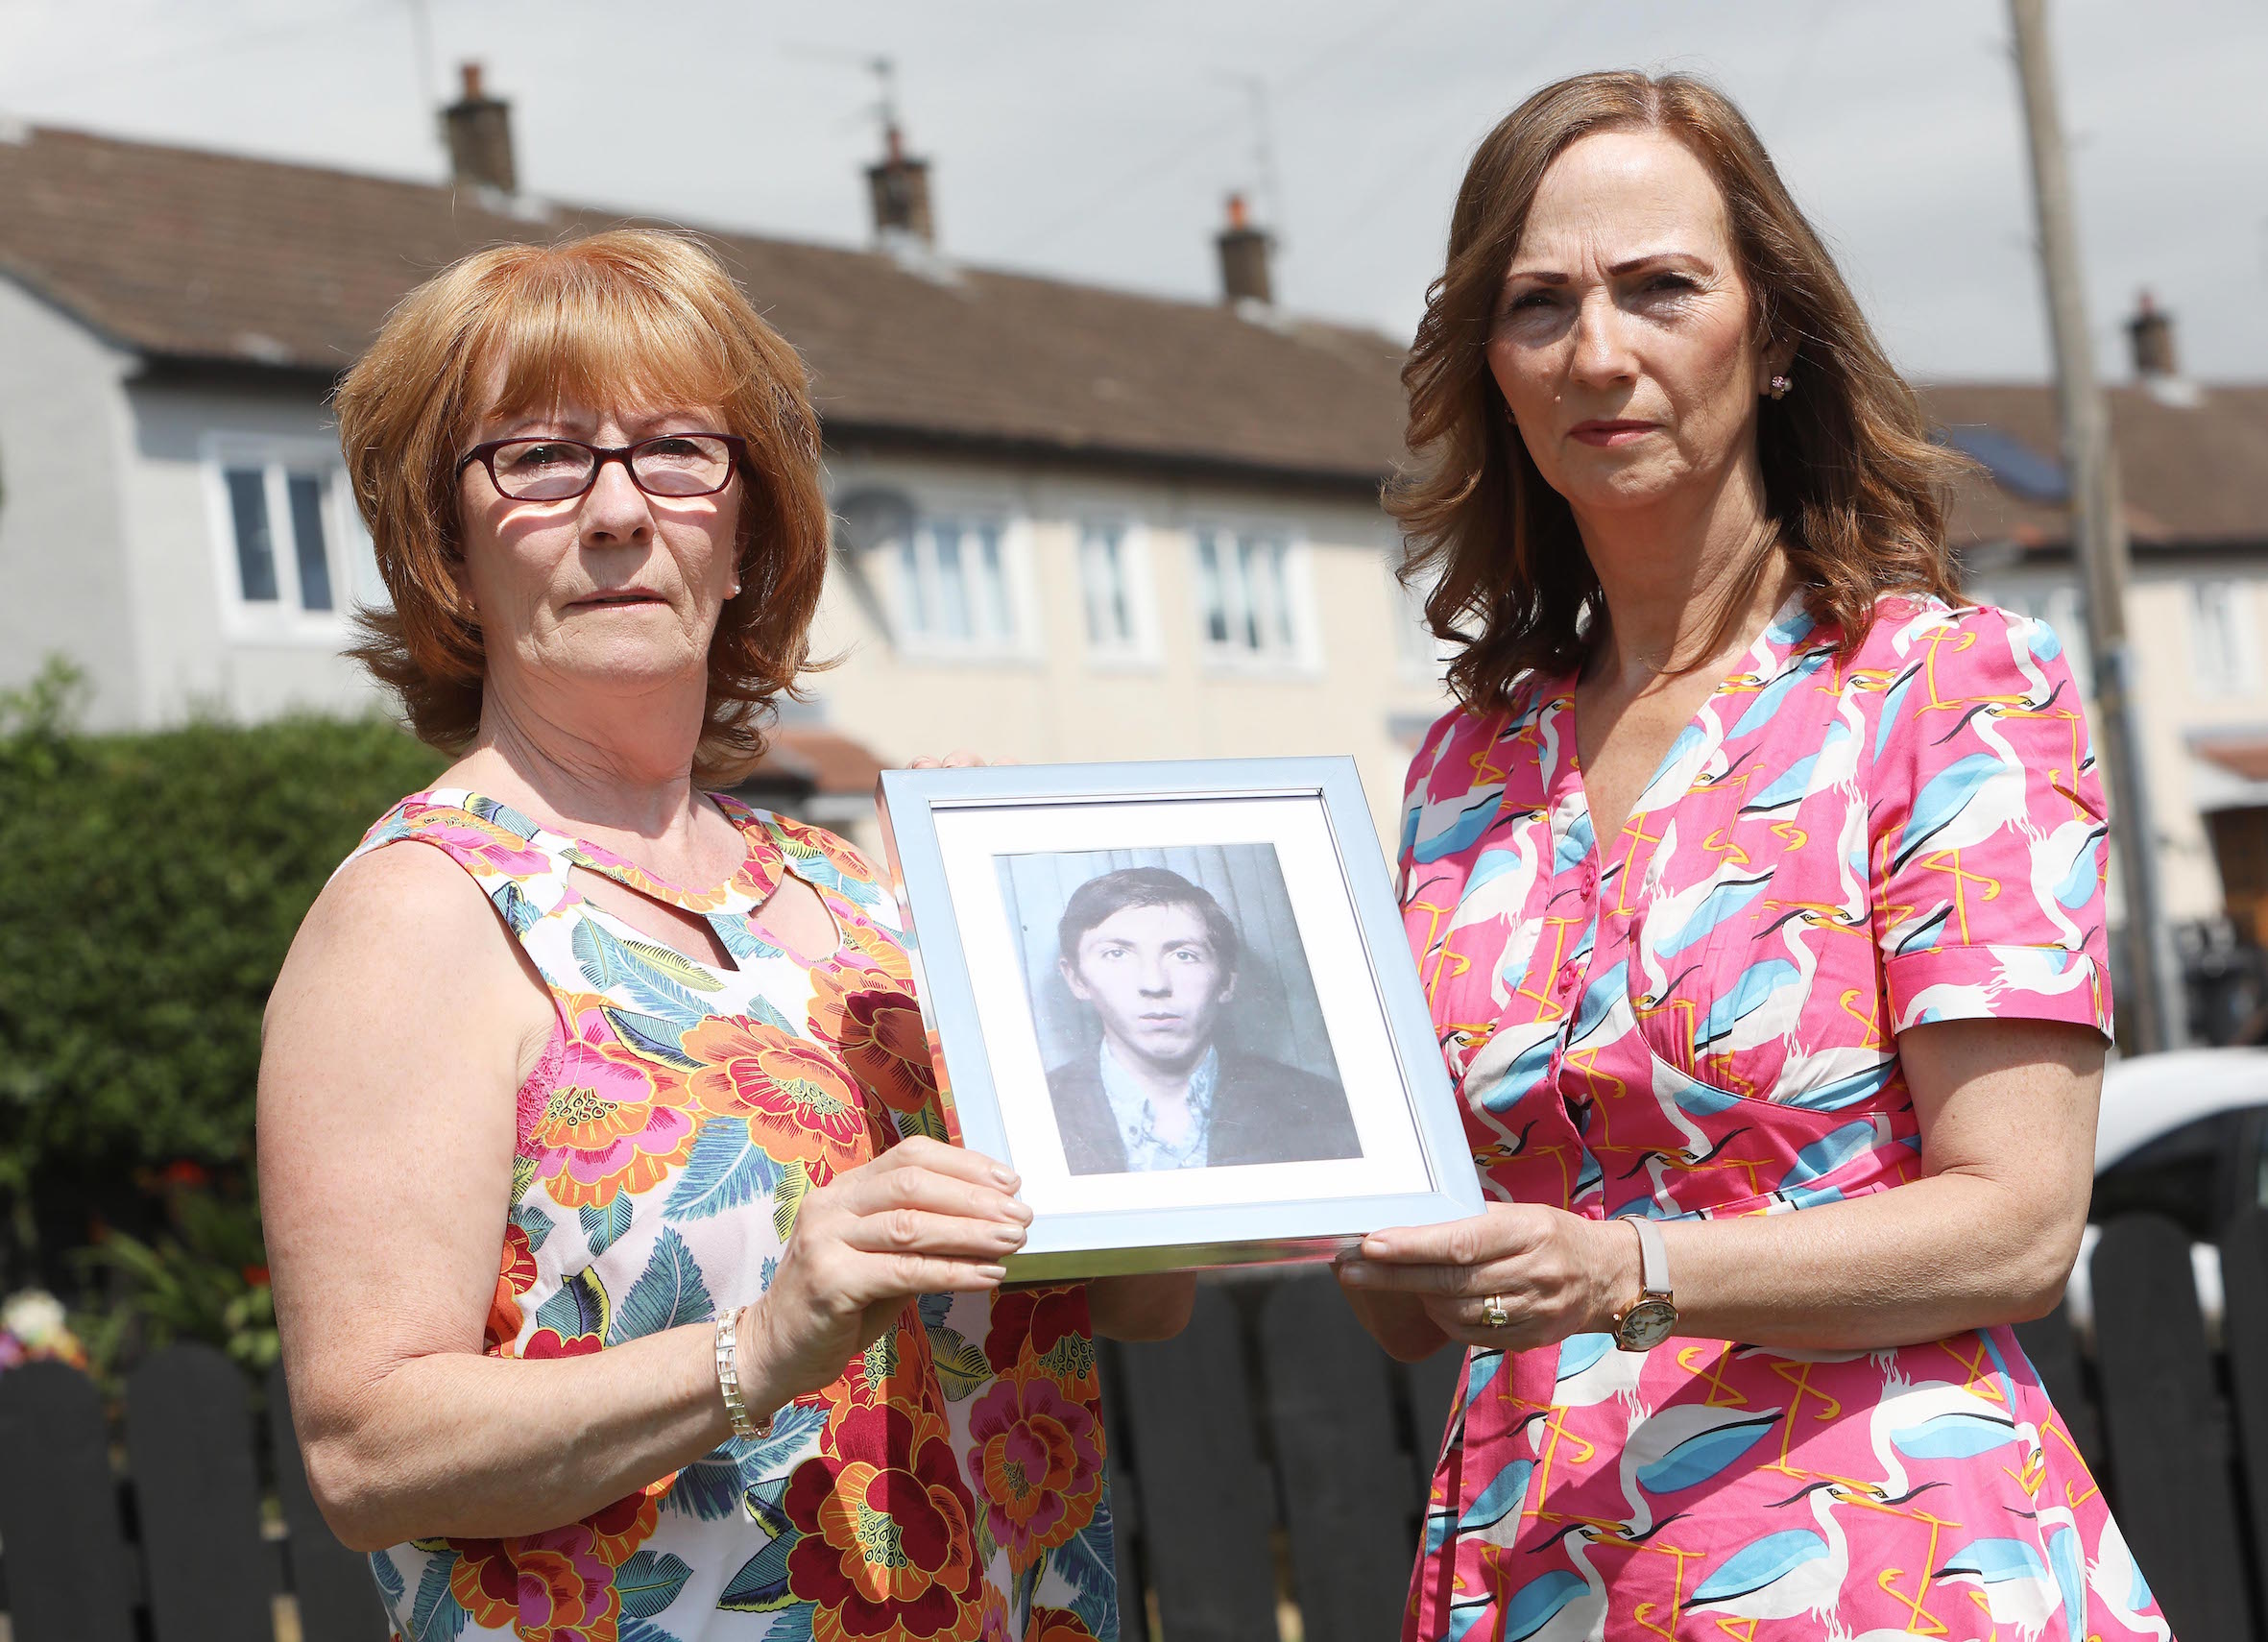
[32, 1315]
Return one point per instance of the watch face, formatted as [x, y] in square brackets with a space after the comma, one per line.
[1646, 1325]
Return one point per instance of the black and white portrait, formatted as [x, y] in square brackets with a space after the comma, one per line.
[1176, 1014]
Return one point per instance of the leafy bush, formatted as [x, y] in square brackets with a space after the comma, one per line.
[150, 886]
[205, 1279]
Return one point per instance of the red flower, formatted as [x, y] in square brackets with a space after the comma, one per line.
[1057, 1625]
[549, 1342]
[556, 1587]
[1036, 1464]
[1029, 1323]
[887, 1549]
[515, 1275]
[184, 1171]
[798, 1103]
[876, 1027]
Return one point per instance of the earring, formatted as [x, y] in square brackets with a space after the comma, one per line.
[1780, 386]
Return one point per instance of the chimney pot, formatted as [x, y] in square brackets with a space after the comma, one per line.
[1244, 258]
[899, 189]
[479, 131]
[2151, 334]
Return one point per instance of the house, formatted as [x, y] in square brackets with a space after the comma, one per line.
[1076, 522]
[1073, 523]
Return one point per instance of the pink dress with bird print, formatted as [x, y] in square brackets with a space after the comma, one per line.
[1698, 1018]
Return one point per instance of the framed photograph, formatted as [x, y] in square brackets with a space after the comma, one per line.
[1178, 999]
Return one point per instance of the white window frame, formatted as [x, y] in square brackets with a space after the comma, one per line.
[2218, 677]
[1420, 658]
[916, 588]
[1301, 650]
[347, 548]
[1138, 647]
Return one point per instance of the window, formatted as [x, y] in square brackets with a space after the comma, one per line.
[2219, 616]
[1246, 597]
[294, 555]
[955, 592]
[1422, 656]
[1114, 587]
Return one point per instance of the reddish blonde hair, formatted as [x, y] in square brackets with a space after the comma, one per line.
[632, 313]
[1854, 484]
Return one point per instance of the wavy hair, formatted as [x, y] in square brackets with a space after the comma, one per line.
[1854, 487]
[629, 312]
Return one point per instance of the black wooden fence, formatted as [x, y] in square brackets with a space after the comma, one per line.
[1269, 1470]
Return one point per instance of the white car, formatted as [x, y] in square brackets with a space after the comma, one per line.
[2184, 1135]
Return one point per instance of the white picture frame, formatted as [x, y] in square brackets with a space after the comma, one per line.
[1029, 893]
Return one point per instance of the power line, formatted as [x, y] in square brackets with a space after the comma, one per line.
[173, 57]
[1149, 172]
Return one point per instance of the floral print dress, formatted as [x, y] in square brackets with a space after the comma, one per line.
[1699, 1017]
[950, 1486]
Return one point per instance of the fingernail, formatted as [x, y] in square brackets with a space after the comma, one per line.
[1012, 1235]
[995, 1272]
[1006, 1176]
[1353, 1272]
[1020, 1209]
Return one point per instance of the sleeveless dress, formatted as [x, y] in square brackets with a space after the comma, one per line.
[1698, 1018]
[950, 1486]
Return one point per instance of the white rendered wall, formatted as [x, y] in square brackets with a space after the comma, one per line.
[1063, 704]
[195, 658]
[63, 441]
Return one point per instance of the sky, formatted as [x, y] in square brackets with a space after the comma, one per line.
[1097, 143]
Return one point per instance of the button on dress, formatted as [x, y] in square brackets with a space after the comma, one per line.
[1700, 1017]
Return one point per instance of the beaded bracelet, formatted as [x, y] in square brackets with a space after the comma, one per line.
[727, 1379]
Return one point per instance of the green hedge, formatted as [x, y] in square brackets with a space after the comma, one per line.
[150, 886]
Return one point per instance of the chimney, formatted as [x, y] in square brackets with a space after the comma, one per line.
[1244, 258]
[2151, 335]
[479, 129]
[899, 189]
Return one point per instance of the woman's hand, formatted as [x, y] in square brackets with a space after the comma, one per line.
[924, 1218]
[1554, 1273]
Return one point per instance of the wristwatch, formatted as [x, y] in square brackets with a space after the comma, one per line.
[1645, 1325]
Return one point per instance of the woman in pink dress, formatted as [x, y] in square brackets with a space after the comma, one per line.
[1756, 885]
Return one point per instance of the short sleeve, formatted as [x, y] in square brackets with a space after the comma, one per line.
[1988, 829]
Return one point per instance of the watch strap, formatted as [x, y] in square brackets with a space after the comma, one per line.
[1654, 1259]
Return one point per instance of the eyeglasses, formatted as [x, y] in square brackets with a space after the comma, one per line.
[672, 465]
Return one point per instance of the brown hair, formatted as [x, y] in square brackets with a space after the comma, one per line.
[1853, 485]
[632, 311]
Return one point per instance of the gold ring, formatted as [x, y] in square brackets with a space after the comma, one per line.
[1493, 1313]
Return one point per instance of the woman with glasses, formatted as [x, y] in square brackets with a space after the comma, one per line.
[624, 1269]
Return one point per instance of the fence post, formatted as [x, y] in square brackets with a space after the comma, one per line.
[2244, 1330]
[188, 1445]
[1345, 1481]
[69, 1576]
[338, 1600]
[1204, 1499]
[2169, 1458]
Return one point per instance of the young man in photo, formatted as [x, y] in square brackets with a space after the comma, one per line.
[1156, 959]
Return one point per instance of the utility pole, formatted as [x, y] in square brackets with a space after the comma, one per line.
[2153, 1003]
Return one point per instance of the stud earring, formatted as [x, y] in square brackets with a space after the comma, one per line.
[1780, 386]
